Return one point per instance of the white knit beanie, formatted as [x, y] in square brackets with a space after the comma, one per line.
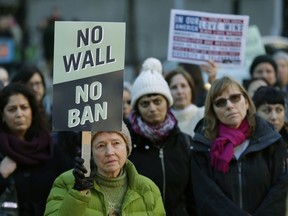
[150, 81]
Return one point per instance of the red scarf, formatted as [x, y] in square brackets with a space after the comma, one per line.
[222, 148]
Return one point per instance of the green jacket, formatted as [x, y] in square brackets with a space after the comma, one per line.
[142, 197]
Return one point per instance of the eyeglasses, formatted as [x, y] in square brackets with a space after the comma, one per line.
[222, 102]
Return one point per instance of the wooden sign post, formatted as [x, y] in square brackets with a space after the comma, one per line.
[86, 150]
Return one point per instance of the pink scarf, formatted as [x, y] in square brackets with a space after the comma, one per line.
[222, 148]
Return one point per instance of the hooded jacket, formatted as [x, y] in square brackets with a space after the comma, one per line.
[142, 197]
[256, 183]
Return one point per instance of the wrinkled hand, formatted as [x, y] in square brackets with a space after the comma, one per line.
[82, 183]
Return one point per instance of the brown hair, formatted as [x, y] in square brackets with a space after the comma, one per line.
[210, 120]
[187, 76]
[39, 122]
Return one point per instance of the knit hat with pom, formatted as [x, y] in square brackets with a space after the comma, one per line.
[150, 81]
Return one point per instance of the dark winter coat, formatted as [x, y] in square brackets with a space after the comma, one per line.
[168, 166]
[33, 183]
[256, 183]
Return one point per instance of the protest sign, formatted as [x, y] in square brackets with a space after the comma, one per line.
[88, 78]
[195, 37]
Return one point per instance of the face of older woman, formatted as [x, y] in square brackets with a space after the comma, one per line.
[274, 113]
[231, 107]
[153, 108]
[109, 153]
[18, 115]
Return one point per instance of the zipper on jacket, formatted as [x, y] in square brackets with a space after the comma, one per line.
[161, 156]
[239, 165]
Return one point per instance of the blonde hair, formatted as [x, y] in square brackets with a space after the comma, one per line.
[211, 120]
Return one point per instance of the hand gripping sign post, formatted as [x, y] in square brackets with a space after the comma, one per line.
[88, 79]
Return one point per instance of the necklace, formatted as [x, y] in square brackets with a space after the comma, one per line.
[114, 190]
[112, 201]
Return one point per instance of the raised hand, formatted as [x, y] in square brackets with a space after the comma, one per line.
[82, 183]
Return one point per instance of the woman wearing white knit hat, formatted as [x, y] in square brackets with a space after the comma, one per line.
[160, 150]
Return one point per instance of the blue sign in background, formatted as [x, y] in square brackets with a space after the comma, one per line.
[186, 23]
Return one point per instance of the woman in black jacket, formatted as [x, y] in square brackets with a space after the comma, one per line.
[238, 159]
[160, 150]
[270, 105]
[28, 155]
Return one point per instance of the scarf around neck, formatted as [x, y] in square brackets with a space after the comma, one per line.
[155, 133]
[222, 148]
[25, 152]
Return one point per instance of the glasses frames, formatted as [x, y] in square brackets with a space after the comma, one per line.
[222, 102]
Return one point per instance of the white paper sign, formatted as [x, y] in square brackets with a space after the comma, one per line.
[195, 37]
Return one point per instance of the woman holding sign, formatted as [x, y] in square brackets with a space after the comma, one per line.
[114, 186]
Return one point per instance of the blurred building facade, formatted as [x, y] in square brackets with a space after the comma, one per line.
[147, 22]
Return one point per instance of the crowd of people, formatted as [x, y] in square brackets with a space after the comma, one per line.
[183, 149]
[238, 151]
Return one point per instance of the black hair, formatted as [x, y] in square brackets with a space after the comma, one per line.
[38, 120]
[25, 73]
[268, 95]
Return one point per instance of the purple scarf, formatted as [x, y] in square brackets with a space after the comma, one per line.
[25, 152]
[222, 148]
[156, 133]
